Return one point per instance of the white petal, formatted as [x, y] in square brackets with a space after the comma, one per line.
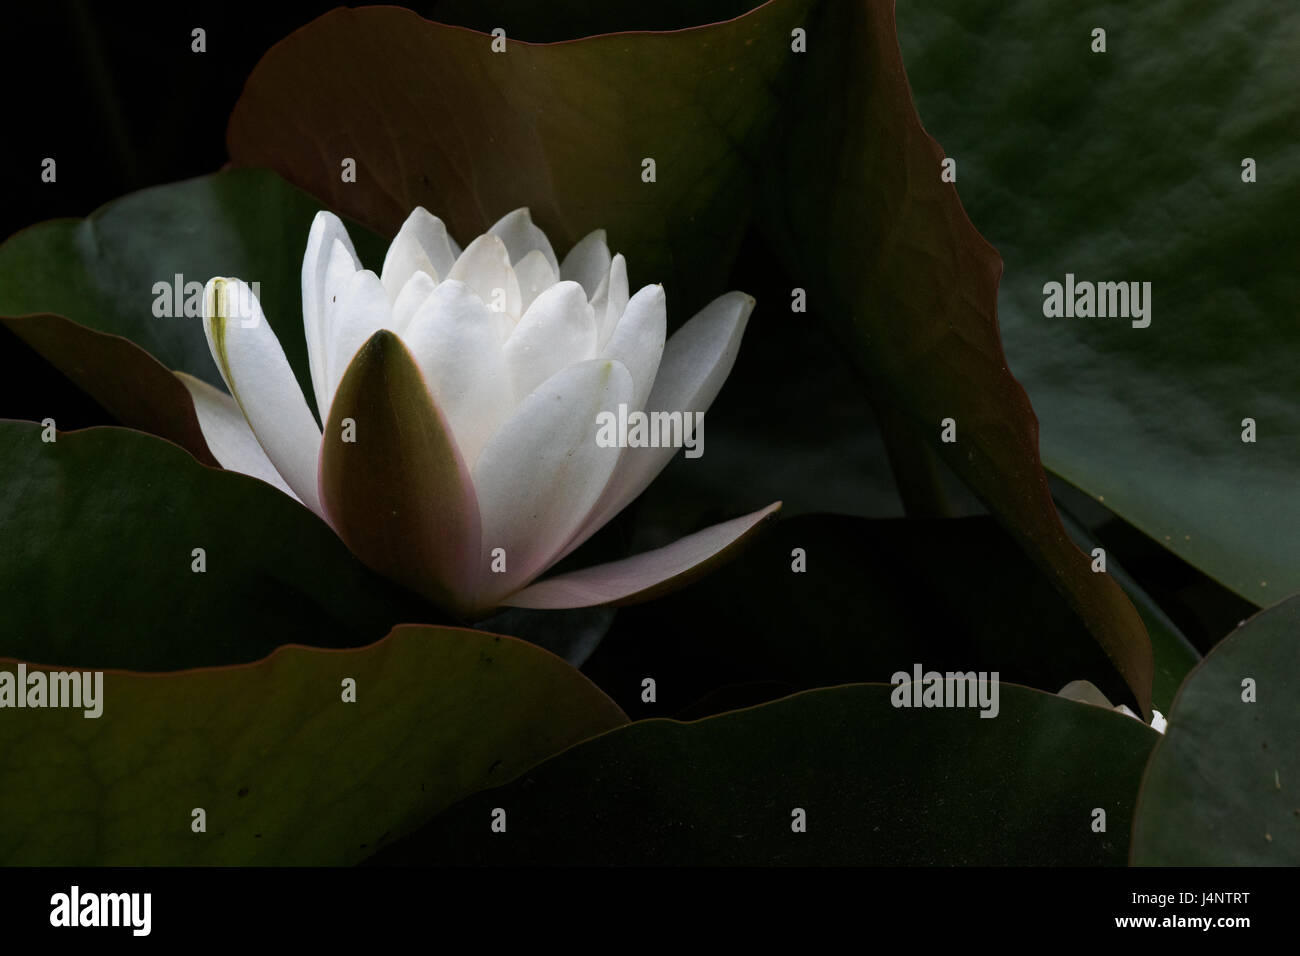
[421, 245]
[484, 266]
[587, 262]
[642, 575]
[456, 342]
[1084, 691]
[253, 365]
[558, 329]
[327, 232]
[413, 295]
[535, 276]
[638, 342]
[338, 277]
[521, 237]
[229, 438]
[541, 473]
[611, 299]
[696, 361]
[361, 310]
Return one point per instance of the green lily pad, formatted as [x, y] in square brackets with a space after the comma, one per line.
[823, 146]
[878, 785]
[284, 769]
[98, 568]
[1223, 785]
[1127, 166]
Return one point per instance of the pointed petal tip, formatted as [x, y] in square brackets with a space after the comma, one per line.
[743, 300]
[647, 575]
[323, 217]
[381, 340]
[744, 304]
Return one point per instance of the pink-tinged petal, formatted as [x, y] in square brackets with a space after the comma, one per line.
[228, 435]
[638, 342]
[587, 262]
[327, 231]
[647, 575]
[696, 361]
[521, 237]
[421, 245]
[399, 495]
[254, 368]
[543, 471]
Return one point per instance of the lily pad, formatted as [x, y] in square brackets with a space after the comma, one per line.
[565, 129]
[1128, 166]
[1223, 785]
[284, 768]
[99, 566]
[877, 784]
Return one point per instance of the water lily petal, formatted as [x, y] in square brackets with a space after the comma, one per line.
[521, 237]
[1085, 691]
[421, 245]
[542, 472]
[362, 309]
[399, 494]
[484, 266]
[535, 276]
[610, 301]
[339, 273]
[254, 368]
[647, 575]
[327, 232]
[1158, 722]
[587, 262]
[456, 342]
[417, 290]
[558, 329]
[226, 431]
[696, 361]
[638, 341]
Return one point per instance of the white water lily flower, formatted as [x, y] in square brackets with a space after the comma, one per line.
[459, 393]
